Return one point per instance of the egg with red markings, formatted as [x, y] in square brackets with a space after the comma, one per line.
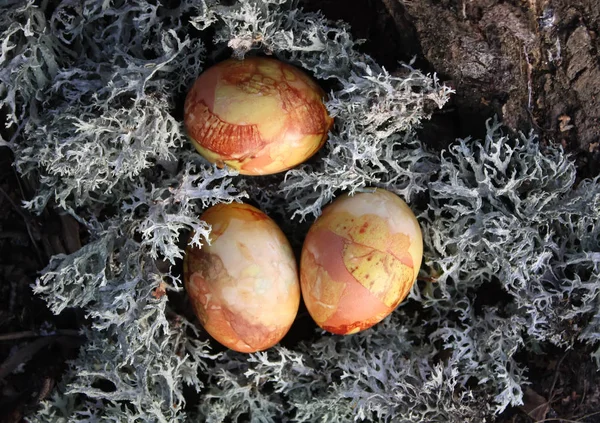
[359, 261]
[258, 115]
[244, 286]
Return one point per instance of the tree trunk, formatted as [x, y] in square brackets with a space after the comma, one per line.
[534, 63]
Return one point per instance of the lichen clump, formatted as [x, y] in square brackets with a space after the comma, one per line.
[93, 92]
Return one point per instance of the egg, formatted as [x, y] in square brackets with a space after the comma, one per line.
[244, 286]
[258, 115]
[359, 261]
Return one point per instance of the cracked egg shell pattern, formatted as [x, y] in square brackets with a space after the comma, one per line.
[259, 116]
[359, 261]
[243, 286]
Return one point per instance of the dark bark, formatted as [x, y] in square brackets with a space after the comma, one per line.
[534, 63]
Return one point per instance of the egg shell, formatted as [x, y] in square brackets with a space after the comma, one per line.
[258, 115]
[244, 286]
[359, 261]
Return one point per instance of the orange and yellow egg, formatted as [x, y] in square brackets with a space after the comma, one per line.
[258, 116]
[359, 261]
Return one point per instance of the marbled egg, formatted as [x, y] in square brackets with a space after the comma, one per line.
[258, 116]
[244, 286]
[359, 261]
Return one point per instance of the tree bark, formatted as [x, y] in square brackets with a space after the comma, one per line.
[535, 63]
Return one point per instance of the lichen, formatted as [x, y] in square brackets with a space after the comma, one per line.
[93, 94]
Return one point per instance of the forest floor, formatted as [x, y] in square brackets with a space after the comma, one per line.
[534, 63]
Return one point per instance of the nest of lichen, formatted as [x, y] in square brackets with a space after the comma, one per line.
[94, 97]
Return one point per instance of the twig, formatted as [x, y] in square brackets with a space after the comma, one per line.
[70, 232]
[14, 137]
[45, 389]
[23, 355]
[13, 204]
[595, 413]
[544, 407]
[18, 335]
[27, 222]
[427, 279]
[11, 235]
[529, 79]
[31, 334]
[551, 392]
[585, 388]
[579, 419]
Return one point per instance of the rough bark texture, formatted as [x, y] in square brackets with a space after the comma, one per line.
[534, 63]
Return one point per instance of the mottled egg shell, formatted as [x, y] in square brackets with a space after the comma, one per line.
[259, 116]
[359, 261]
[244, 286]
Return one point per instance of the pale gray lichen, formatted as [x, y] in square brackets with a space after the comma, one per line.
[504, 211]
[92, 92]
